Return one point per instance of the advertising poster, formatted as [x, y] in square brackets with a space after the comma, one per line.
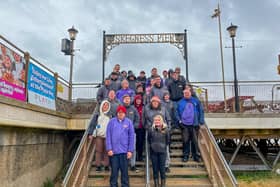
[12, 74]
[41, 87]
[62, 90]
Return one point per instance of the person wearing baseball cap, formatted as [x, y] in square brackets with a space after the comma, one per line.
[120, 146]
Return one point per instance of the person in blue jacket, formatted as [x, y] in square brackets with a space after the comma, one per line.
[190, 115]
[119, 146]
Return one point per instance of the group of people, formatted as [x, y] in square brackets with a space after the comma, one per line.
[128, 106]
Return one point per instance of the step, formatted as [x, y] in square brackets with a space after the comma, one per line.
[175, 172]
[175, 162]
[170, 182]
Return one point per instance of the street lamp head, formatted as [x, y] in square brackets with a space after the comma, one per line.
[72, 33]
[232, 30]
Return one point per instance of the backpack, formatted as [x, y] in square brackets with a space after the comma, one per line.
[188, 114]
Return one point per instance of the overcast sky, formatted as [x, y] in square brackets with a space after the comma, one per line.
[38, 27]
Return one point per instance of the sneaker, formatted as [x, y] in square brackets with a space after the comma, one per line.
[98, 169]
[133, 168]
[196, 159]
[185, 159]
[106, 168]
[167, 170]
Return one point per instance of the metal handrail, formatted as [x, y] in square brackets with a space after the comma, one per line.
[84, 144]
[208, 150]
[147, 177]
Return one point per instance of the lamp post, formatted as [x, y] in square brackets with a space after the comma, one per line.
[232, 32]
[72, 35]
[217, 13]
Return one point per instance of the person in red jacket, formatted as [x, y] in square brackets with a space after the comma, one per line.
[140, 131]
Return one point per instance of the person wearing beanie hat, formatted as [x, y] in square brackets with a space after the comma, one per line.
[120, 146]
[132, 114]
[131, 81]
[115, 82]
[153, 108]
[169, 79]
[141, 79]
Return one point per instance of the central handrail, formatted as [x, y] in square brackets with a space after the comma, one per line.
[219, 171]
[147, 165]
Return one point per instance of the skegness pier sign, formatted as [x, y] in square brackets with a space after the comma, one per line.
[145, 38]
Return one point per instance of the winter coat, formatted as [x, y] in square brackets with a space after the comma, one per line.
[158, 91]
[123, 92]
[175, 89]
[99, 122]
[198, 118]
[150, 113]
[120, 136]
[114, 105]
[169, 105]
[158, 139]
[139, 109]
[132, 114]
[115, 84]
[102, 93]
[142, 80]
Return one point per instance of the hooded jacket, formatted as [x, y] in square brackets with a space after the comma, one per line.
[100, 120]
[132, 83]
[139, 109]
[158, 138]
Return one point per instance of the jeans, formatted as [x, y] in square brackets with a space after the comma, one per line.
[189, 133]
[158, 164]
[140, 141]
[119, 162]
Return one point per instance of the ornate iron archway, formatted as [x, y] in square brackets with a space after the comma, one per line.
[110, 41]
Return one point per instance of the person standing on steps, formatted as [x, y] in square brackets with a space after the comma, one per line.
[97, 129]
[190, 115]
[119, 146]
[132, 114]
[158, 138]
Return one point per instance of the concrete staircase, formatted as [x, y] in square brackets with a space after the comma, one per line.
[183, 174]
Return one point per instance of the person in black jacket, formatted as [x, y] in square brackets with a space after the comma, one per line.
[158, 137]
[176, 88]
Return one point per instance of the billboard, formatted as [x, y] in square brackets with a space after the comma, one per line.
[12, 74]
[41, 87]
